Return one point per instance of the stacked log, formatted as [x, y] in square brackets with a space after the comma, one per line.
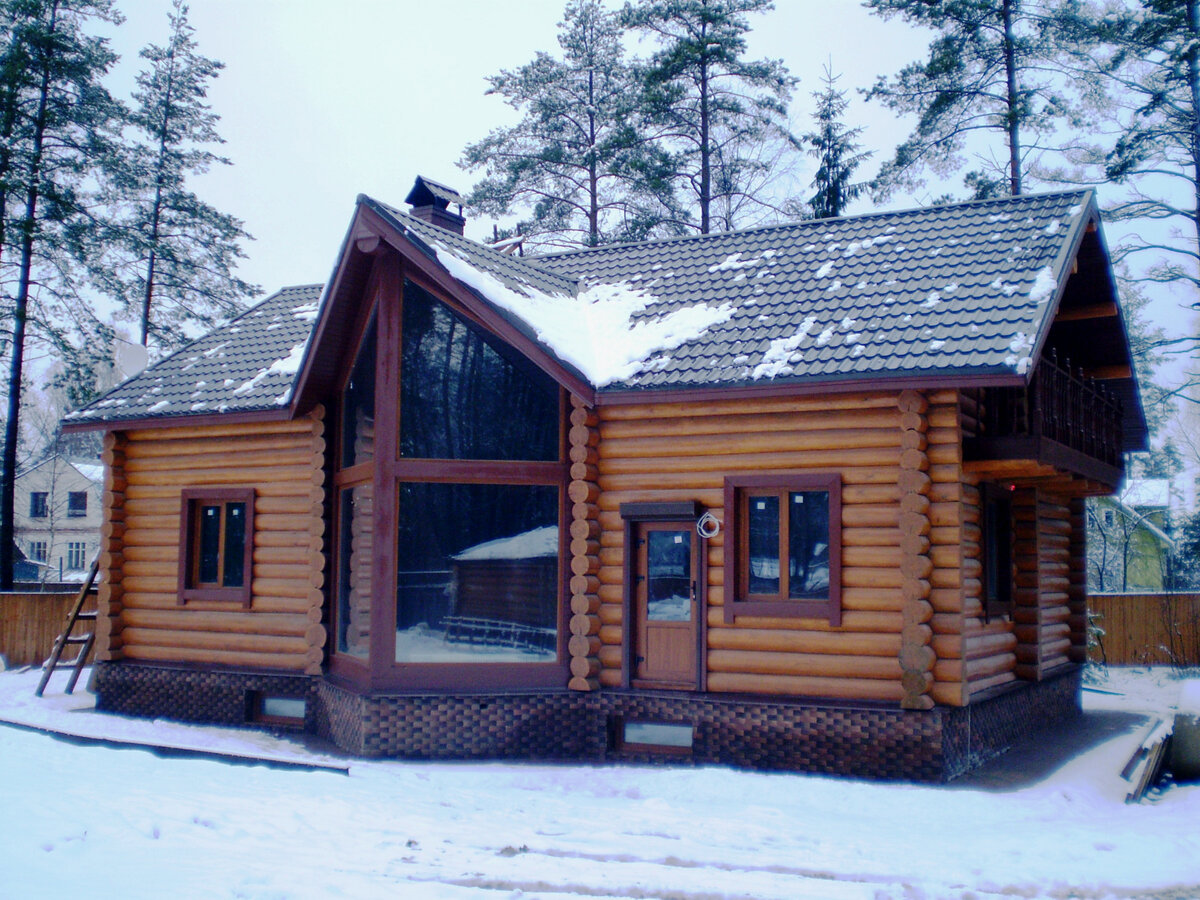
[989, 645]
[112, 546]
[284, 463]
[356, 635]
[1026, 605]
[315, 632]
[584, 491]
[682, 451]
[917, 657]
[1077, 589]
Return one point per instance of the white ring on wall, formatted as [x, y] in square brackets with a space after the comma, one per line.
[708, 526]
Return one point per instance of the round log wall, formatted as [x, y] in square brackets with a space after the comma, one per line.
[140, 616]
[883, 449]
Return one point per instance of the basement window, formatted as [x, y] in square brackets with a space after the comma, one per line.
[215, 545]
[665, 737]
[270, 709]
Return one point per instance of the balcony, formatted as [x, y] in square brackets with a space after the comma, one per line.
[1062, 420]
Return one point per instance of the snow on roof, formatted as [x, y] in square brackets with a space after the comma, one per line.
[1147, 492]
[533, 544]
[929, 292]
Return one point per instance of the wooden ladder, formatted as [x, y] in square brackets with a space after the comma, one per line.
[85, 641]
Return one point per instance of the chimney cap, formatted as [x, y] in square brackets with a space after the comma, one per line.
[427, 192]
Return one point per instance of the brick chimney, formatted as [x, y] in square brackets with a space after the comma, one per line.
[430, 202]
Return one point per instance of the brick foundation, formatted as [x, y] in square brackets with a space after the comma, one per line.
[864, 740]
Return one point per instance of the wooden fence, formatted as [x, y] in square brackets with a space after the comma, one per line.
[1146, 629]
[29, 623]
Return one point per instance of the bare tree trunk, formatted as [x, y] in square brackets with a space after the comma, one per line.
[1013, 90]
[20, 315]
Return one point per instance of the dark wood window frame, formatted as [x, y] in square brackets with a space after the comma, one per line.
[379, 671]
[996, 551]
[191, 501]
[738, 601]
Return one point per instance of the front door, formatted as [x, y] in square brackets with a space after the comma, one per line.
[665, 606]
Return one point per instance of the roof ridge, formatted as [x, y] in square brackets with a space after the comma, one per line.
[806, 223]
[501, 260]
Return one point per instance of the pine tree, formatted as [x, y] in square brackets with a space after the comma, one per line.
[986, 75]
[727, 115]
[63, 128]
[1139, 66]
[580, 159]
[837, 150]
[174, 255]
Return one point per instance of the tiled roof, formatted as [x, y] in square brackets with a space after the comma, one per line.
[939, 291]
[248, 364]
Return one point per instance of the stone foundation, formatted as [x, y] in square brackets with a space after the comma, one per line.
[835, 738]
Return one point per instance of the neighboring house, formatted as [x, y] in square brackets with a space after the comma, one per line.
[58, 514]
[1130, 543]
[815, 492]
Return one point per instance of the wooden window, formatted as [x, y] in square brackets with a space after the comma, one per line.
[216, 545]
[997, 554]
[76, 504]
[37, 551]
[784, 546]
[38, 505]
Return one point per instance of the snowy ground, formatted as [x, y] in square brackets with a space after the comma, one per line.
[98, 820]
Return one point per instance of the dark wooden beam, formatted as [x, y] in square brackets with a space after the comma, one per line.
[1091, 311]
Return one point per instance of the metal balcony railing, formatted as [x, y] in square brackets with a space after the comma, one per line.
[1058, 404]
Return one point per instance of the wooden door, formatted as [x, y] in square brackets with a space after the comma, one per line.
[665, 606]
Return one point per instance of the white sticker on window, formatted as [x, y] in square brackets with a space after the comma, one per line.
[797, 498]
[679, 538]
[760, 504]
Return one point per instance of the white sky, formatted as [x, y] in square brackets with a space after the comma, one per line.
[322, 101]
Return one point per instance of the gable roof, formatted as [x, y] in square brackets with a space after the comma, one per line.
[961, 292]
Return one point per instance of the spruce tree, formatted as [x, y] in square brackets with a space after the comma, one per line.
[837, 151]
[986, 76]
[173, 255]
[580, 160]
[726, 115]
[63, 131]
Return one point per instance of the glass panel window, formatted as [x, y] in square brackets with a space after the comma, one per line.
[76, 554]
[209, 553]
[466, 395]
[37, 551]
[786, 555]
[77, 504]
[762, 516]
[808, 545]
[355, 543]
[358, 405]
[232, 558]
[478, 573]
[38, 505]
[669, 576]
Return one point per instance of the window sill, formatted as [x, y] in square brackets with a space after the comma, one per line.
[785, 609]
[239, 596]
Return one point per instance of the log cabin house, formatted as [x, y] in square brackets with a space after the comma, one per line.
[806, 496]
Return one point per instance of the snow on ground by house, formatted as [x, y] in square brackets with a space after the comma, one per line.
[87, 820]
